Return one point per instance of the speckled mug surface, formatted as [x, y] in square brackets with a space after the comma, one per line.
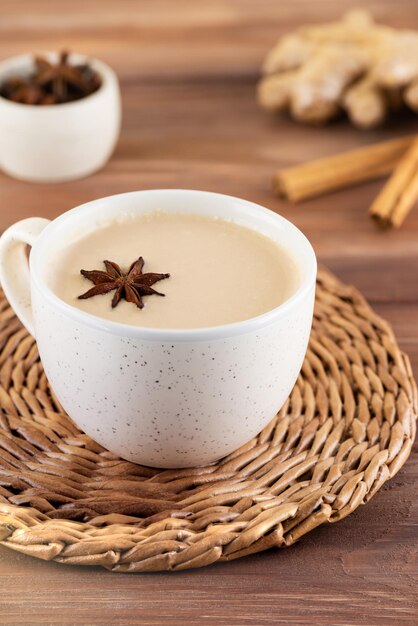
[160, 397]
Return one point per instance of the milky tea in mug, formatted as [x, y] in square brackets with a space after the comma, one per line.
[219, 272]
[174, 380]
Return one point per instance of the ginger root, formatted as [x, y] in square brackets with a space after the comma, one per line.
[354, 65]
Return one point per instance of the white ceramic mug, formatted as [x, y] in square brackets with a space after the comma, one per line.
[63, 141]
[167, 398]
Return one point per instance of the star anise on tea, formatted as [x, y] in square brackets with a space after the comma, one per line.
[131, 285]
[52, 83]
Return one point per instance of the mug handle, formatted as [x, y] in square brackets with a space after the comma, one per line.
[14, 266]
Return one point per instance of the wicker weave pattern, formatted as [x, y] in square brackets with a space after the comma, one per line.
[347, 427]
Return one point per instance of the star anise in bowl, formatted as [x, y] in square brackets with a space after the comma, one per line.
[52, 83]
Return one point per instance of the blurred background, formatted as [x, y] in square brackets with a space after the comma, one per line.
[178, 40]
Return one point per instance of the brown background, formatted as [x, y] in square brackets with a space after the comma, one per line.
[188, 70]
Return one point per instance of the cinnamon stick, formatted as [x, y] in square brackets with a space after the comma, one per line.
[342, 170]
[400, 193]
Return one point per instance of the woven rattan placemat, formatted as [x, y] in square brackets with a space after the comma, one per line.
[347, 427]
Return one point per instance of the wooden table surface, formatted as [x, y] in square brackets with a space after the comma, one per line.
[188, 70]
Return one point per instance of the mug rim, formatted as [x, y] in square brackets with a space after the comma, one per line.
[105, 71]
[207, 333]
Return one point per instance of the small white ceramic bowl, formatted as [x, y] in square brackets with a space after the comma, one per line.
[161, 397]
[58, 142]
